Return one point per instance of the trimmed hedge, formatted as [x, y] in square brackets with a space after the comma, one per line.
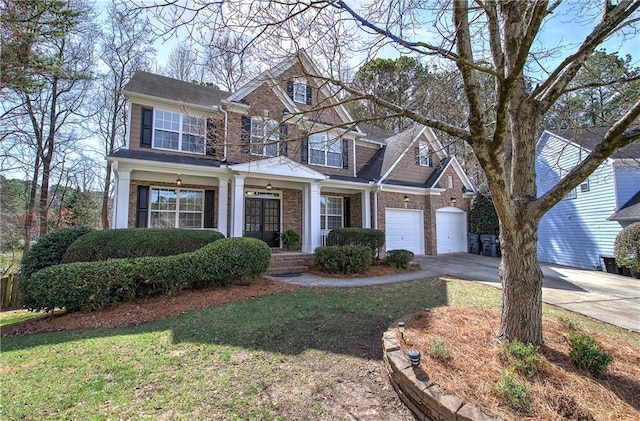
[49, 249]
[345, 259]
[399, 258]
[137, 242]
[94, 285]
[372, 238]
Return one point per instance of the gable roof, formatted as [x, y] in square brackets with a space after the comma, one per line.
[152, 85]
[589, 138]
[630, 211]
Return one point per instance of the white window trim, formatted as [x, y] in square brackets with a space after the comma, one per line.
[300, 82]
[177, 211]
[326, 215]
[266, 139]
[585, 186]
[424, 154]
[325, 150]
[180, 133]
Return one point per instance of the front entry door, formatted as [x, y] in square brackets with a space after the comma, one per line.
[262, 219]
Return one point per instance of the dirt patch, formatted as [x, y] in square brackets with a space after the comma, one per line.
[150, 309]
[473, 365]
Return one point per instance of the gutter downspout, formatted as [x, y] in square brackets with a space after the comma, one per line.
[226, 125]
[375, 207]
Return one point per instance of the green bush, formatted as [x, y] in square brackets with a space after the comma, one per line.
[513, 392]
[483, 218]
[526, 358]
[345, 259]
[437, 349]
[627, 247]
[94, 285]
[372, 238]
[137, 242]
[49, 249]
[585, 353]
[399, 258]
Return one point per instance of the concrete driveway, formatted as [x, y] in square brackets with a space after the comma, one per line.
[603, 296]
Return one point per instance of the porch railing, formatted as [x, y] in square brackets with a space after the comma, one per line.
[323, 237]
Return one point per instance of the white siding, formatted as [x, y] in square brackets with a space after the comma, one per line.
[575, 232]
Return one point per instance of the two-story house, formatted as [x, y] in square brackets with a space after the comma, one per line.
[582, 228]
[281, 153]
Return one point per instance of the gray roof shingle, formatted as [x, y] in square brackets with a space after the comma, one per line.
[590, 137]
[146, 83]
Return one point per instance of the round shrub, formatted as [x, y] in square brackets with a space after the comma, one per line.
[137, 242]
[49, 249]
[627, 247]
[372, 238]
[399, 258]
[94, 285]
[232, 259]
[345, 259]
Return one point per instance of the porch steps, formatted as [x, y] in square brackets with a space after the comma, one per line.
[289, 262]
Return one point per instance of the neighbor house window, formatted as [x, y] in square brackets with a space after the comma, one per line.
[171, 208]
[584, 186]
[331, 212]
[571, 195]
[179, 132]
[300, 90]
[424, 155]
[324, 150]
[265, 135]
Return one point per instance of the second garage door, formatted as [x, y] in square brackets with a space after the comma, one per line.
[451, 230]
[404, 229]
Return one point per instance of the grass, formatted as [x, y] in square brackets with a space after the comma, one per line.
[255, 359]
[16, 316]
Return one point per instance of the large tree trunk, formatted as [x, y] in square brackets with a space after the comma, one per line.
[521, 284]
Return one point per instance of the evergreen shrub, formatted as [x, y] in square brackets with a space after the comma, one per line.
[137, 242]
[345, 259]
[372, 238]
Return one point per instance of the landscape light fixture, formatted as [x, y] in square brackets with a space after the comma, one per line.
[401, 327]
[178, 181]
[414, 357]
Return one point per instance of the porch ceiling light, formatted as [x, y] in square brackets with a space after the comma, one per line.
[178, 181]
[269, 186]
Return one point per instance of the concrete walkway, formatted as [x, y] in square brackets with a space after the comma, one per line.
[602, 296]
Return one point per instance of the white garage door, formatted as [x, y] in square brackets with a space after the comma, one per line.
[451, 227]
[404, 229]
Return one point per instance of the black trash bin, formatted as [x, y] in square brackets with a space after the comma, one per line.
[473, 243]
[489, 244]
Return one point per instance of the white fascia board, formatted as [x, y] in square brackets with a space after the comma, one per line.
[155, 101]
[433, 139]
[347, 184]
[462, 174]
[166, 167]
[278, 166]
[420, 191]
[235, 107]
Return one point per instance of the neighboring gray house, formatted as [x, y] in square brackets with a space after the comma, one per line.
[581, 229]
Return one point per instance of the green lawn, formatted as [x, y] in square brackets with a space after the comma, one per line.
[227, 362]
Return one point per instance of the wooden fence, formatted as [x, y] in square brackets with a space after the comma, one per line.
[9, 291]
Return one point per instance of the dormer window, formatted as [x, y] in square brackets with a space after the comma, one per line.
[299, 91]
[423, 155]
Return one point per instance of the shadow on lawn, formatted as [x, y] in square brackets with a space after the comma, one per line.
[346, 321]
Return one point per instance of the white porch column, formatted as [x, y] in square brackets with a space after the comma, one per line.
[121, 207]
[314, 215]
[306, 221]
[237, 206]
[366, 209]
[223, 200]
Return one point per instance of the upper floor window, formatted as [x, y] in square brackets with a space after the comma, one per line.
[325, 151]
[179, 132]
[171, 208]
[265, 135]
[300, 90]
[423, 155]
